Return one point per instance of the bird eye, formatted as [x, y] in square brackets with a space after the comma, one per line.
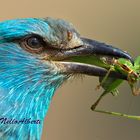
[33, 44]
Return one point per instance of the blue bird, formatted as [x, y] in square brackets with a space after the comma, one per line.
[35, 59]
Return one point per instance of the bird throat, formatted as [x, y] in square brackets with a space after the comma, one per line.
[27, 86]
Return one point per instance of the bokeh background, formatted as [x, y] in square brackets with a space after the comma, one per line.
[115, 22]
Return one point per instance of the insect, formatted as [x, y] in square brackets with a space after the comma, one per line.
[109, 84]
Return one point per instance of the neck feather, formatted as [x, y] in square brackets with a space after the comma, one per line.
[26, 88]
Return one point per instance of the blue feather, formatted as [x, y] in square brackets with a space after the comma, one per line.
[27, 83]
[21, 27]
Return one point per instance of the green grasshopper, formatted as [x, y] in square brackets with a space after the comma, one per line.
[110, 84]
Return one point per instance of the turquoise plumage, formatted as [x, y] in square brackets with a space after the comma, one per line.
[32, 51]
[26, 85]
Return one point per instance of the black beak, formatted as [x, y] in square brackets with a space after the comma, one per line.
[88, 49]
[98, 48]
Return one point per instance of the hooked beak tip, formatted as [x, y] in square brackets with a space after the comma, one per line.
[99, 48]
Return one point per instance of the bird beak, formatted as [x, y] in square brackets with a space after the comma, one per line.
[97, 48]
[84, 58]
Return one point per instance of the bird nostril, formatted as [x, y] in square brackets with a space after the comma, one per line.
[69, 35]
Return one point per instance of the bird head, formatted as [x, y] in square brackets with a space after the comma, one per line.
[35, 59]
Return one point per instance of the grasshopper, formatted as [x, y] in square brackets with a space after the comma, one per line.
[110, 84]
[132, 71]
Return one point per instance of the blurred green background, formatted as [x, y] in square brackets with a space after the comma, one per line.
[110, 21]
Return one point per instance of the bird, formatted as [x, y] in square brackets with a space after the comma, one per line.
[35, 60]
